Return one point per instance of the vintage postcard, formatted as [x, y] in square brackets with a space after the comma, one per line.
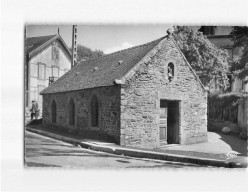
[135, 96]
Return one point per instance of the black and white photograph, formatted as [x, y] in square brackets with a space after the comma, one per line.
[120, 96]
[140, 96]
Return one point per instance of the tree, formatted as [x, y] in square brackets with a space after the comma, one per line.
[240, 38]
[85, 53]
[204, 57]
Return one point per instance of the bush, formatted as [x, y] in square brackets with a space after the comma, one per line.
[243, 134]
[217, 126]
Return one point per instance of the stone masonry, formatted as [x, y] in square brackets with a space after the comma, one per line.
[129, 110]
[109, 110]
[141, 94]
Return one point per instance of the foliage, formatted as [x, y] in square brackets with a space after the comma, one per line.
[85, 53]
[203, 56]
[226, 99]
[224, 107]
[240, 38]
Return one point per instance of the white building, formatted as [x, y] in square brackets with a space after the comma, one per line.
[220, 36]
[46, 59]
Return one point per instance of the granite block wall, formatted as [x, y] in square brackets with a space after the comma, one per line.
[147, 85]
[130, 112]
[109, 110]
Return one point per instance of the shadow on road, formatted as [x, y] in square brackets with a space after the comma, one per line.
[123, 161]
[235, 143]
[33, 164]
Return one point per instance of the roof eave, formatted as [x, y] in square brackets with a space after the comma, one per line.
[41, 47]
[64, 44]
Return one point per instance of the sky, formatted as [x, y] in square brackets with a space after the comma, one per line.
[108, 38]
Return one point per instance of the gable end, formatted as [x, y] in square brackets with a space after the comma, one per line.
[198, 79]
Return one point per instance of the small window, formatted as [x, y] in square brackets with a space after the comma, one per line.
[71, 112]
[41, 71]
[54, 111]
[55, 53]
[171, 71]
[94, 111]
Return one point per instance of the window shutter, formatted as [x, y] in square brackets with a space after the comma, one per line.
[55, 53]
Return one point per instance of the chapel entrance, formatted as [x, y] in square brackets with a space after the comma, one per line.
[169, 122]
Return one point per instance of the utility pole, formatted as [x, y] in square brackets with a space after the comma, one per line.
[74, 45]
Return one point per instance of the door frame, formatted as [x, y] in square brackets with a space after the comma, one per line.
[180, 103]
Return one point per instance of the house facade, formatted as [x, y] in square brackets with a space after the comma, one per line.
[220, 37]
[46, 59]
[146, 96]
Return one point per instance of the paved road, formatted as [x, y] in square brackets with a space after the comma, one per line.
[218, 143]
[42, 151]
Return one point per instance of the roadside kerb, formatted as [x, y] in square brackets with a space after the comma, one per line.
[140, 153]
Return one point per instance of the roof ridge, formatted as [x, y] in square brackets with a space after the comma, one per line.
[134, 47]
[52, 37]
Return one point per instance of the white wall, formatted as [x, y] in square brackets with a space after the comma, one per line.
[45, 57]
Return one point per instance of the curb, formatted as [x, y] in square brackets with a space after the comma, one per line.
[141, 153]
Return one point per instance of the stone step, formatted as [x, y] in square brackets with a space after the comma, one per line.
[162, 143]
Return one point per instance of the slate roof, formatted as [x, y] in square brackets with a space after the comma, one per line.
[85, 74]
[34, 45]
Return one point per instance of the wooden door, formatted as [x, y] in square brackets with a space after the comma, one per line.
[163, 122]
[173, 122]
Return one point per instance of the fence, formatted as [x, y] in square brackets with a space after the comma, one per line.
[222, 112]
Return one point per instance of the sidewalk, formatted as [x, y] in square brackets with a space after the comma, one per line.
[212, 153]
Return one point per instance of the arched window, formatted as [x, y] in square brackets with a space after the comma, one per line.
[71, 112]
[171, 71]
[94, 111]
[54, 111]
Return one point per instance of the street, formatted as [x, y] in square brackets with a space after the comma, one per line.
[42, 151]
